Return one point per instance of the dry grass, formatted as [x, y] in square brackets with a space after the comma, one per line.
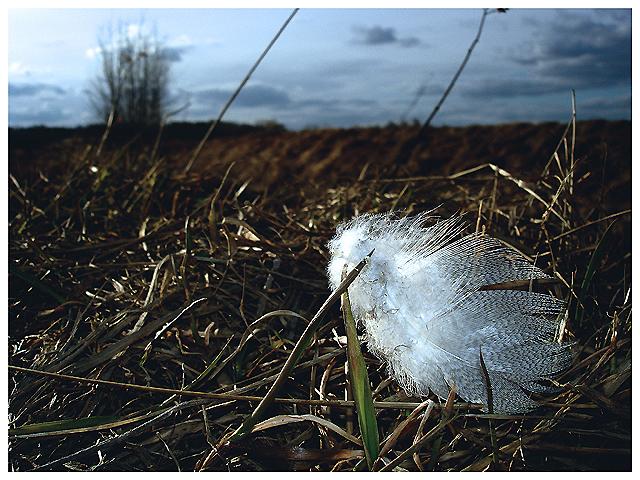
[124, 270]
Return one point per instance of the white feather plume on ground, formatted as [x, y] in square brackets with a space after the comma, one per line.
[424, 313]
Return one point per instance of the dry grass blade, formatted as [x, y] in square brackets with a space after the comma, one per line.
[393, 438]
[280, 420]
[520, 183]
[423, 421]
[416, 445]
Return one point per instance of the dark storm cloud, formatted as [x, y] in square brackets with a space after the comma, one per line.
[606, 107]
[504, 88]
[65, 107]
[334, 112]
[603, 105]
[32, 89]
[378, 35]
[574, 52]
[375, 35]
[265, 96]
[334, 103]
[296, 112]
[250, 96]
[592, 50]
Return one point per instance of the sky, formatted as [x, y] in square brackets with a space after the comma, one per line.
[335, 67]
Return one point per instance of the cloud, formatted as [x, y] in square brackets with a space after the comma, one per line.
[134, 29]
[174, 49]
[69, 110]
[409, 42]
[479, 111]
[92, 52]
[251, 96]
[335, 112]
[334, 104]
[182, 40]
[41, 116]
[606, 107]
[597, 104]
[139, 36]
[18, 68]
[33, 89]
[174, 54]
[170, 53]
[583, 51]
[515, 87]
[425, 89]
[378, 35]
[297, 109]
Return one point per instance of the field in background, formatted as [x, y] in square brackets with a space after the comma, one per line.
[110, 243]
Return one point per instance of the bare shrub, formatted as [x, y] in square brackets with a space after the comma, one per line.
[133, 81]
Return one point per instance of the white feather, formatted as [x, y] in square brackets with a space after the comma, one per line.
[424, 313]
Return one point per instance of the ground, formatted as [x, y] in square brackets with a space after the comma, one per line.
[111, 242]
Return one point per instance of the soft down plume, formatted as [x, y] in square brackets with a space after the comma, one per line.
[421, 303]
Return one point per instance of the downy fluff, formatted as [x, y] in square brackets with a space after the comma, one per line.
[424, 312]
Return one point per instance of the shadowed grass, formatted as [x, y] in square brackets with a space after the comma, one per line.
[109, 229]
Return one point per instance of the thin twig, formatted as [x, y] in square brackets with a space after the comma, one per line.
[213, 126]
[475, 41]
[221, 396]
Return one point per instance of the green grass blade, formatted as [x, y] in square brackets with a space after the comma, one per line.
[360, 386]
[59, 425]
[594, 263]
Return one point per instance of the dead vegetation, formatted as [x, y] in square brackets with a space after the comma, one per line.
[150, 310]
